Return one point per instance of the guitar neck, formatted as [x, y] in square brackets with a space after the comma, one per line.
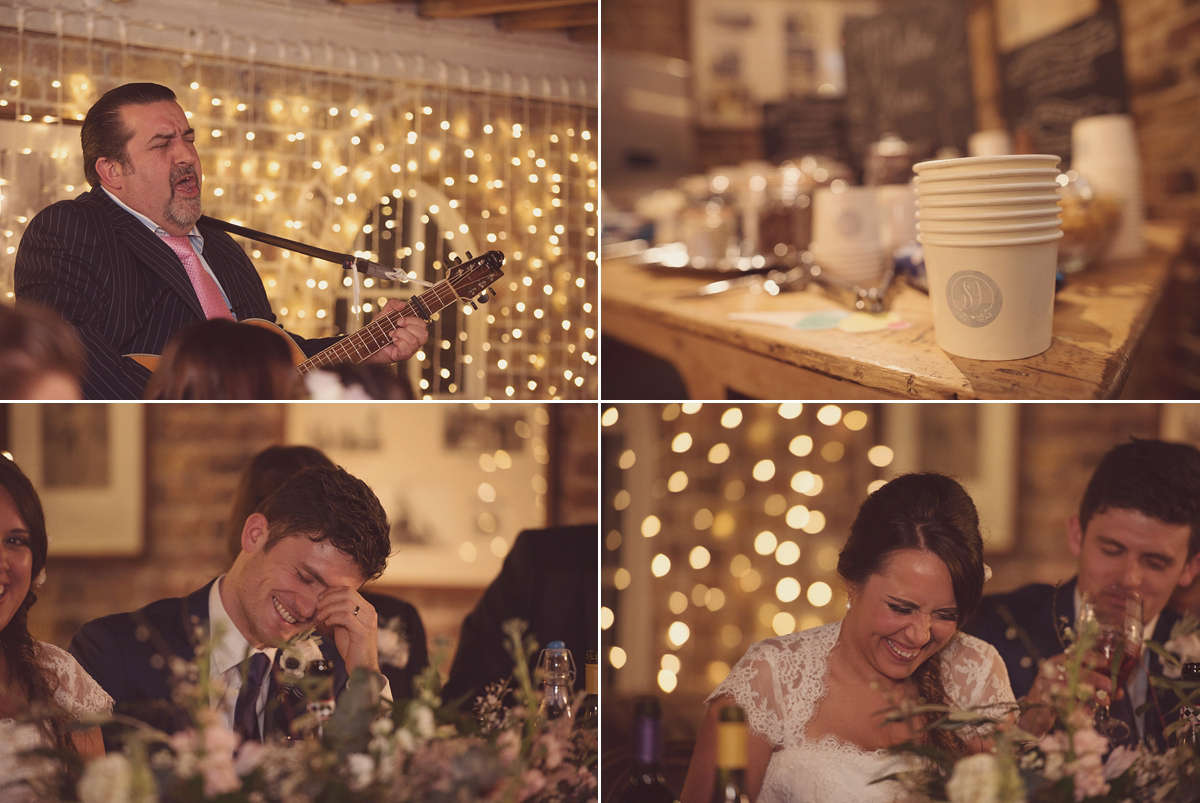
[358, 346]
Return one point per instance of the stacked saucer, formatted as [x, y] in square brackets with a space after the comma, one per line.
[990, 227]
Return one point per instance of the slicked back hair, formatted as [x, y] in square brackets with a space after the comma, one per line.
[104, 134]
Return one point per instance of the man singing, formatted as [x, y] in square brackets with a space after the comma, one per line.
[131, 262]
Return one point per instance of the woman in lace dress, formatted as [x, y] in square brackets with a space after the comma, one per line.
[43, 690]
[815, 700]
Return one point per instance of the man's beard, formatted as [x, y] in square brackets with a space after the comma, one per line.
[183, 212]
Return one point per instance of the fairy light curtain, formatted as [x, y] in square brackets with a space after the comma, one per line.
[721, 526]
[407, 172]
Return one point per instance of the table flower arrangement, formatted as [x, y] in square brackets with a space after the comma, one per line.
[1072, 763]
[367, 750]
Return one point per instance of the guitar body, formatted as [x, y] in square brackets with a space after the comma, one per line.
[464, 280]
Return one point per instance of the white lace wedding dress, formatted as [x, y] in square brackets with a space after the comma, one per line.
[780, 682]
[78, 694]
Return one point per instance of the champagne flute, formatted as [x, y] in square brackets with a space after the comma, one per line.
[1109, 623]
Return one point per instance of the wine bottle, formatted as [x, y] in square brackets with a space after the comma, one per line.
[645, 782]
[588, 715]
[730, 785]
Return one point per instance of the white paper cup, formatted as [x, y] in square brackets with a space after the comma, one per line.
[968, 164]
[1030, 227]
[989, 142]
[931, 182]
[992, 302]
[846, 218]
[989, 204]
[897, 214]
[972, 188]
[1105, 137]
[997, 239]
[997, 214]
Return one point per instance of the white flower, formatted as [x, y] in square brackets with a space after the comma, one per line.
[298, 654]
[327, 386]
[1118, 761]
[393, 646]
[1186, 648]
[40, 580]
[361, 768]
[976, 779]
[107, 779]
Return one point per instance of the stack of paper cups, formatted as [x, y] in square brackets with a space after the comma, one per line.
[1105, 152]
[846, 239]
[990, 228]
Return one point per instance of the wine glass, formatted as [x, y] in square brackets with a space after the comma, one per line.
[1109, 625]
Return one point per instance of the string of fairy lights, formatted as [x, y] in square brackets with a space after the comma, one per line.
[406, 173]
[721, 526]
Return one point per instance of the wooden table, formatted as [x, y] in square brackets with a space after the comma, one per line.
[1099, 318]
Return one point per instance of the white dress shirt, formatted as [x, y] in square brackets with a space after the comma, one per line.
[229, 650]
[194, 236]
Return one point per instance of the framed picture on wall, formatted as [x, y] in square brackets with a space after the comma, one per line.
[974, 443]
[458, 481]
[87, 462]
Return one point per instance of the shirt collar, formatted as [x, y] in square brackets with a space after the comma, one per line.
[194, 235]
[229, 646]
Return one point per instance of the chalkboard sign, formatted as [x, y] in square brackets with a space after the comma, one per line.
[1077, 72]
[800, 126]
[908, 72]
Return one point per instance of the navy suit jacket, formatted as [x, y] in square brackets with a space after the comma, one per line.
[123, 289]
[1040, 612]
[401, 678]
[549, 579]
[128, 655]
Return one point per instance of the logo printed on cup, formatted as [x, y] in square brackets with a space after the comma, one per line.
[849, 223]
[973, 298]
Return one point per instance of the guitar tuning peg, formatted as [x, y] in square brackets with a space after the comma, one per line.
[473, 305]
[483, 297]
[469, 257]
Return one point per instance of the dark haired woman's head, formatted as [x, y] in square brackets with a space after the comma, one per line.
[40, 354]
[328, 504]
[104, 134]
[265, 472]
[25, 543]
[220, 359]
[925, 512]
[1161, 480]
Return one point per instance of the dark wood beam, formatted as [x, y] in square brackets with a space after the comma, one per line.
[574, 16]
[588, 34]
[450, 9]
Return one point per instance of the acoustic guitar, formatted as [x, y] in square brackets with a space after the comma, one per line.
[468, 281]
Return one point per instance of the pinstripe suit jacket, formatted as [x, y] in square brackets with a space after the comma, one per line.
[123, 289]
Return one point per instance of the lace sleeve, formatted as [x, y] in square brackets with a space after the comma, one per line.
[77, 692]
[754, 685]
[976, 677]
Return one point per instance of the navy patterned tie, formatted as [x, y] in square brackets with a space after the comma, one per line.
[245, 712]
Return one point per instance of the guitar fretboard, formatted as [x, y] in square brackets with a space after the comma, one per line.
[358, 346]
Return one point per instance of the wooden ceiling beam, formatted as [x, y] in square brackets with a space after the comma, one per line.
[588, 34]
[451, 9]
[574, 16]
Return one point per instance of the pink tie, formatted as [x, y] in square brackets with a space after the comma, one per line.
[205, 285]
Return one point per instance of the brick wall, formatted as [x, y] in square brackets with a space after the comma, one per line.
[194, 454]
